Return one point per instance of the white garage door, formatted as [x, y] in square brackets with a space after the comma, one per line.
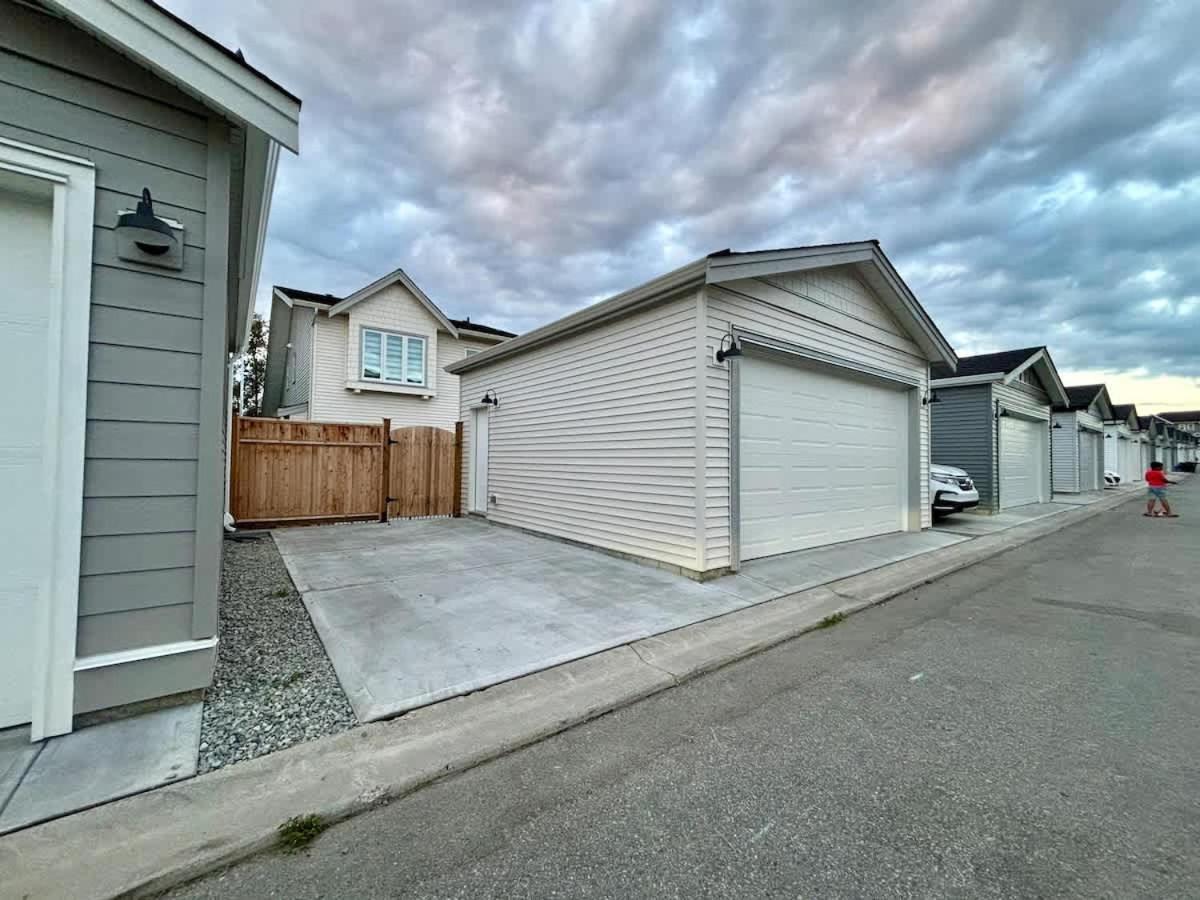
[823, 458]
[1023, 461]
[1089, 460]
[24, 533]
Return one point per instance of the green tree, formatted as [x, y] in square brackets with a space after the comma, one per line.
[252, 368]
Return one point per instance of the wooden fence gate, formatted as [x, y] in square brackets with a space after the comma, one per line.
[285, 472]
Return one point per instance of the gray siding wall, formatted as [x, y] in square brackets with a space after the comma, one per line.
[150, 344]
[963, 435]
[297, 371]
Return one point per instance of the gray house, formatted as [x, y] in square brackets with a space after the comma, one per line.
[1078, 439]
[992, 418]
[137, 159]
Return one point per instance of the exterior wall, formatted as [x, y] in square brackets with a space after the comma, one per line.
[1064, 453]
[827, 310]
[963, 435]
[298, 360]
[156, 359]
[595, 437]
[1029, 401]
[336, 354]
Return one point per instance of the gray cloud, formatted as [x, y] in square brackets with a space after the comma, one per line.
[1030, 167]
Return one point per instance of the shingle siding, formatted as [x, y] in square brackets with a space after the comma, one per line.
[62, 90]
[964, 435]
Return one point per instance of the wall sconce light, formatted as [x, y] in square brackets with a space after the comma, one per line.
[1108, 437]
[1057, 426]
[147, 231]
[930, 397]
[1001, 413]
[490, 398]
[733, 351]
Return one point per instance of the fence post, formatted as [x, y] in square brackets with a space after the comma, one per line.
[235, 446]
[458, 456]
[385, 468]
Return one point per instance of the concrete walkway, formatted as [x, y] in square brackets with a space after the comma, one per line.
[417, 611]
[152, 841]
[94, 765]
[973, 524]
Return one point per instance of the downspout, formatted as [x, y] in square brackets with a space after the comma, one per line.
[230, 424]
[996, 428]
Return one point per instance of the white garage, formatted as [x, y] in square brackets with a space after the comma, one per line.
[742, 406]
[1023, 456]
[1079, 439]
[824, 457]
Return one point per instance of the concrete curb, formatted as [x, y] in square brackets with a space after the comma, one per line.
[150, 842]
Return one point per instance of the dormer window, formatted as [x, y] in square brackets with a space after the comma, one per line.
[393, 358]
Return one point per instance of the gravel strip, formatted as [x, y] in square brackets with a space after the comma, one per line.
[274, 685]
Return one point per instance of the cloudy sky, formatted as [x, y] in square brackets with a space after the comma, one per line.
[1030, 167]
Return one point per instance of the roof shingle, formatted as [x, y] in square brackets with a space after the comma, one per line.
[985, 363]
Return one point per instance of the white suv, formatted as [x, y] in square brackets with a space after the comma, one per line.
[951, 490]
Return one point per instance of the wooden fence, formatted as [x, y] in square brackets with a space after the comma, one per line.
[285, 472]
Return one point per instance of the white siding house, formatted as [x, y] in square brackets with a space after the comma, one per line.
[1079, 439]
[1123, 443]
[619, 426]
[316, 368]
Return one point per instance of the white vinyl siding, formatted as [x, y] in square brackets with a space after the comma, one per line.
[393, 358]
[595, 436]
[1064, 448]
[826, 310]
[337, 363]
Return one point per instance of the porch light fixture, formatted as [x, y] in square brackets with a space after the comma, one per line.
[733, 351]
[490, 398]
[146, 230]
[1001, 413]
[930, 397]
[1057, 426]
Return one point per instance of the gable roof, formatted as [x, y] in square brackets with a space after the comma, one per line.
[337, 305]
[181, 54]
[1081, 397]
[722, 266]
[1004, 367]
[1125, 412]
[1191, 415]
[985, 364]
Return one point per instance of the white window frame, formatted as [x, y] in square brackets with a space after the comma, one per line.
[73, 183]
[405, 338]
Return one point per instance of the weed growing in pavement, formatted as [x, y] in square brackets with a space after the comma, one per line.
[281, 593]
[299, 831]
[830, 621]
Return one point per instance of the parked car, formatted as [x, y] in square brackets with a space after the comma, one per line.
[1111, 479]
[1189, 466]
[951, 490]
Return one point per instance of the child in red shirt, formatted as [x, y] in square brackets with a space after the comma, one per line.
[1156, 482]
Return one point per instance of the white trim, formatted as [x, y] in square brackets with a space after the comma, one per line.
[293, 302]
[398, 276]
[844, 364]
[421, 386]
[966, 379]
[182, 57]
[137, 654]
[68, 317]
[258, 187]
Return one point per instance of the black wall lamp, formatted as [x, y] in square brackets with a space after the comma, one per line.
[490, 398]
[1001, 412]
[1057, 426]
[733, 351]
[930, 397]
[146, 230]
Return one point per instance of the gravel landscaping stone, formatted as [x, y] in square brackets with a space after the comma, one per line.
[274, 686]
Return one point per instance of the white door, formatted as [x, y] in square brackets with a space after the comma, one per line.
[25, 241]
[823, 458]
[1023, 461]
[479, 460]
[1089, 460]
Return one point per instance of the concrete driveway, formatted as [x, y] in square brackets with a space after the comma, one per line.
[416, 611]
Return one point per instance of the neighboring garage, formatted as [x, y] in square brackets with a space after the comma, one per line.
[1078, 437]
[746, 405]
[992, 418]
[1123, 444]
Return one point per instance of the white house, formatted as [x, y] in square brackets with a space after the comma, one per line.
[1123, 442]
[137, 159]
[745, 405]
[379, 353]
[1078, 439]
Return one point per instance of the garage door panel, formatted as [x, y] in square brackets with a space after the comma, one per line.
[822, 458]
[1023, 461]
